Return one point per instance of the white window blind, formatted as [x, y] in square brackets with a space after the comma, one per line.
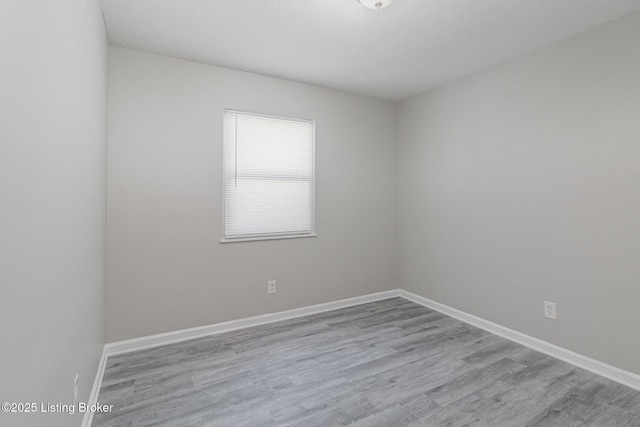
[268, 176]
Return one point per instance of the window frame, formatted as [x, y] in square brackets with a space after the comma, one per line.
[268, 236]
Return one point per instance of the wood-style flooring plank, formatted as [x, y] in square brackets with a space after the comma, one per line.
[387, 363]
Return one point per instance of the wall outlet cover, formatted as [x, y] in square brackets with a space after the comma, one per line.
[550, 310]
[75, 390]
[271, 287]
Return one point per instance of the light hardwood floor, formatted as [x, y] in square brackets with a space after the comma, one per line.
[387, 363]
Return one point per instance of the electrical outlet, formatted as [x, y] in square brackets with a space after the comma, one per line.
[271, 287]
[75, 390]
[550, 310]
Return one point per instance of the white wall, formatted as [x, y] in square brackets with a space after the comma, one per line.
[53, 124]
[166, 267]
[522, 184]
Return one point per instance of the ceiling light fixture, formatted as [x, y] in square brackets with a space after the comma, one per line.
[375, 4]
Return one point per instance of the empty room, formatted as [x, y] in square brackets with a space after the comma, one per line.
[305, 213]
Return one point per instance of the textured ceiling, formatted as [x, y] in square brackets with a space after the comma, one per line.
[394, 53]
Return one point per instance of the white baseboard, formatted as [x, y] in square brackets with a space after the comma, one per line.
[97, 383]
[618, 375]
[218, 328]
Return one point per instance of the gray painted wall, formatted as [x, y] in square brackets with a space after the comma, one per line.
[522, 184]
[166, 267]
[53, 129]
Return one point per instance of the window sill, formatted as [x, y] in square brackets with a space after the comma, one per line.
[251, 239]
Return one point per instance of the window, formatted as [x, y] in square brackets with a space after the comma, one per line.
[268, 177]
